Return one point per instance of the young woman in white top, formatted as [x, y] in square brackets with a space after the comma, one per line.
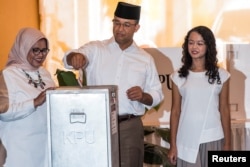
[200, 116]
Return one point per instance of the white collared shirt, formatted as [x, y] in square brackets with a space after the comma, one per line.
[109, 65]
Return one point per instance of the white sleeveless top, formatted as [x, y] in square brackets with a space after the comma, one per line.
[200, 118]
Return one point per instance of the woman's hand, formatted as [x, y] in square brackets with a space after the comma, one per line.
[41, 98]
[172, 155]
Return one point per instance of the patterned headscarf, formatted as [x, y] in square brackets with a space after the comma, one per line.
[25, 39]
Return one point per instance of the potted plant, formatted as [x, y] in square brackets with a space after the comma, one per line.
[155, 154]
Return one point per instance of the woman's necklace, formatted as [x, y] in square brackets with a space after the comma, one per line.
[36, 83]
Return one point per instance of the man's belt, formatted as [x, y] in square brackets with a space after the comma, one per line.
[126, 117]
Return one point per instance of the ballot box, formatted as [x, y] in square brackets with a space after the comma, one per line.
[83, 126]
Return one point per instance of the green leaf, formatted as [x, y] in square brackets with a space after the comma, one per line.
[66, 78]
[155, 154]
[164, 133]
[156, 108]
[150, 154]
[148, 130]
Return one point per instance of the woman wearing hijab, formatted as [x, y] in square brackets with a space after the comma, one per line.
[23, 115]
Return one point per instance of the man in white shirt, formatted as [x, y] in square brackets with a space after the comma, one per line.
[119, 61]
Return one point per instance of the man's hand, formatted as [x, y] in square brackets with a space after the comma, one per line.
[136, 94]
[77, 60]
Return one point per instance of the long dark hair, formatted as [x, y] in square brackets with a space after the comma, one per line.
[211, 60]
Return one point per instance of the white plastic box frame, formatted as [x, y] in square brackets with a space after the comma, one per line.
[83, 126]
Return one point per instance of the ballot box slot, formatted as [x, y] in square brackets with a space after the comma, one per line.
[77, 117]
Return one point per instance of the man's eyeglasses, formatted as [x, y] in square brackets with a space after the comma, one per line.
[37, 51]
[125, 25]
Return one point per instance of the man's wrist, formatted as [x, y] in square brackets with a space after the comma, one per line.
[142, 98]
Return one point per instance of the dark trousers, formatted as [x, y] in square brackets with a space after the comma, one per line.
[131, 137]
